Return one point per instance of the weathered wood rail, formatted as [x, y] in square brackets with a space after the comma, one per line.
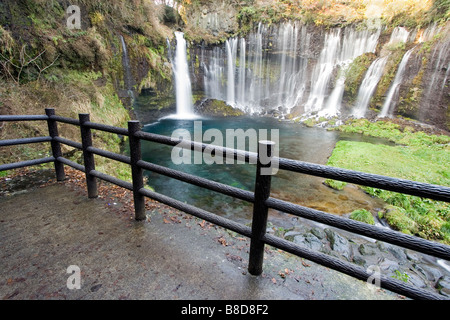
[261, 199]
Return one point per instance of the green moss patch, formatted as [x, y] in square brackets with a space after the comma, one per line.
[421, 157]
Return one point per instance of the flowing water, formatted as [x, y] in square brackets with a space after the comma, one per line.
[400, 34]
[185, 109]
[392, 96]
[127, 77]
[368, 86]
[275, 68]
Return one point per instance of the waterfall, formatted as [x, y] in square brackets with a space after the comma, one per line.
[392, 96]
[284, 68]
[400, 34]
[214, 73]
[231, 46]
[368, 86]
[333, 105]
[322, 72]
[337, 54]
[241, 98]
[440, 60]
[261, 72]
[127, 77]
[182, 80]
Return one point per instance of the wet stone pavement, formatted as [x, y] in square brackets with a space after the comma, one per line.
[48, 230]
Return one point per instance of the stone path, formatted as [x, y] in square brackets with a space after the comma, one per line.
[45, 231]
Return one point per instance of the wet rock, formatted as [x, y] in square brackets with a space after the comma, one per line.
[397, 252]
[428, 272]
[319, 233]
[339, 244]
[309, 240]
[367, 249]
[359, 260]
[389, 266]
[216, 108]
[416, 281]
[381, 246]
[291, 234]
[412, 256]
[444, 286]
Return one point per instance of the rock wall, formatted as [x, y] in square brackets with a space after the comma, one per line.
[212, 17]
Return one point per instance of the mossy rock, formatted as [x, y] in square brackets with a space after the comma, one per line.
[362, 215]
[398, 219]
[334, 184]
[216, 108]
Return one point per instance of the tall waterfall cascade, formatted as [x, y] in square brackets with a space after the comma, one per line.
[368, 86]
[127, 77]
[183, 87]
[392, 95]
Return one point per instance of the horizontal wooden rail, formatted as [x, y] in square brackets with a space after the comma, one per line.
[68, 142]
[72, 164]
[226, 153]
[27, 163]
[13, 142]
[197, 212]
[414, 188]
[198, 181]
[23, 117]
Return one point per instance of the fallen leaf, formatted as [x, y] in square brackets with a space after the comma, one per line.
[175, 219]
[222, 241]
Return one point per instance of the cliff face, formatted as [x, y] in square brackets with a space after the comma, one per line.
[41, 29]
[216, 18]
[425, 93]
[236, 35]
[44, 63]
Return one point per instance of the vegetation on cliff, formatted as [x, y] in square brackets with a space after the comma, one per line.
[327, 13]
[44, 63]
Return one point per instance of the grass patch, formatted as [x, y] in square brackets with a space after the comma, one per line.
[422, 158]
[363, 215]
[335, 184]
[404, 162]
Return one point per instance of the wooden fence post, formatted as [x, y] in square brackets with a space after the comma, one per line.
[136, 171]
[89, 163]
[260, 209]
[56, 146]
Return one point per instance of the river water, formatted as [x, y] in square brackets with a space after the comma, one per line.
[295, 141]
